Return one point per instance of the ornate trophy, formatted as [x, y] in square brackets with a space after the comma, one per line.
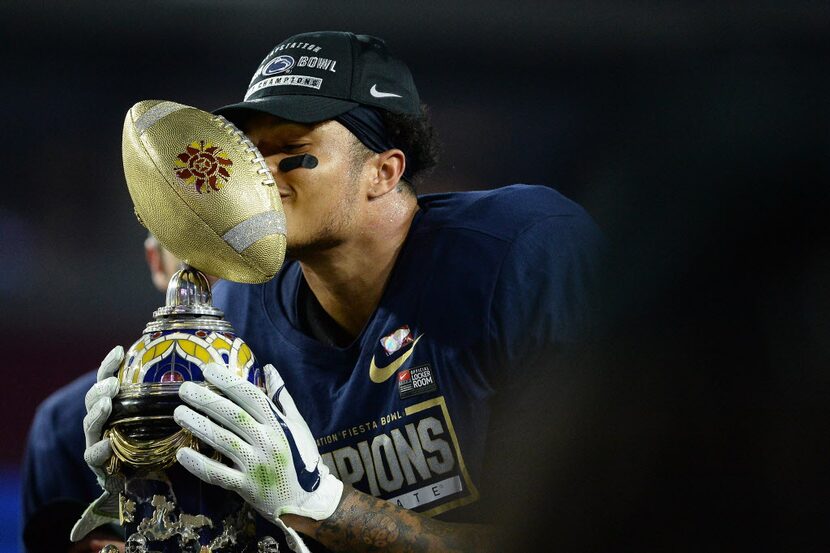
[164, 508]
[203, 189]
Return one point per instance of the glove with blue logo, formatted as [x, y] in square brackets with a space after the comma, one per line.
[98, 401]
[277, 467]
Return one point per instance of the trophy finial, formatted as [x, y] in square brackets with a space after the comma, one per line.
[188, 294]
[188, 287]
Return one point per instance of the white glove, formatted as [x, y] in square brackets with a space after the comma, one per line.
[277, 467]
[98, 403]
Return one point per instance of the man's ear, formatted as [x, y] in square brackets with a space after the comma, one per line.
[388, 169]
[155, 262]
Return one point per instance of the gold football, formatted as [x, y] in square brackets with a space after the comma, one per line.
[204, 190]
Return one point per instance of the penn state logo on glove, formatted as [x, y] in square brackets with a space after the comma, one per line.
[204, 190]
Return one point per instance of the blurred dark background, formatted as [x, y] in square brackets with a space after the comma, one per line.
[696, 134]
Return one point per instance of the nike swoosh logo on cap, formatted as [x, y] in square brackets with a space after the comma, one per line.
[378, 94]
[382, 374]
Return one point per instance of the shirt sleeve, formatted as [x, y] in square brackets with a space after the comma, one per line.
[53, 466]
[544, 316]
[545, 300]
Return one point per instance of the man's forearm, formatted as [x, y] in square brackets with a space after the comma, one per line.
[362, 523]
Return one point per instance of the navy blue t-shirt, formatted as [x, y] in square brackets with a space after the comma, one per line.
[486, 287]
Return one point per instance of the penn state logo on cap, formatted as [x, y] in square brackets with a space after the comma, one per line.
[278, 65]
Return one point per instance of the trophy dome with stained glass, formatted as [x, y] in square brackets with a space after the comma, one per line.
[184, 336]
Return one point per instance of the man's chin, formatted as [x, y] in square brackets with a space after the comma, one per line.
[302, 251]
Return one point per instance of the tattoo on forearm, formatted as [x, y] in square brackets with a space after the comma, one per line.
[363, 523]
[379, 530]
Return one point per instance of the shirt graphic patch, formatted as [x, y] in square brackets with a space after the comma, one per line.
[411, 458]
[396, 340]
[417, 380]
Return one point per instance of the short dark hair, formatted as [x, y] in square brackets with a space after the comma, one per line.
[415, 135]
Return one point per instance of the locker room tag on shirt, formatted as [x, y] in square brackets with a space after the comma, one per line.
[415, 381]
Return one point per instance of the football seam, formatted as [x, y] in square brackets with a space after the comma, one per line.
[176, 191]
[256, 156]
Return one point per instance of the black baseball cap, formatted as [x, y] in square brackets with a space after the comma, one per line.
[312, 77]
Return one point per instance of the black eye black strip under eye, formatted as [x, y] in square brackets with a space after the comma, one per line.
[306, 161]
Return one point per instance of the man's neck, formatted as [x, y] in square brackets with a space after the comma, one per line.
[349, 279]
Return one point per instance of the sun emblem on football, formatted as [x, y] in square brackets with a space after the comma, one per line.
[204, 166]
